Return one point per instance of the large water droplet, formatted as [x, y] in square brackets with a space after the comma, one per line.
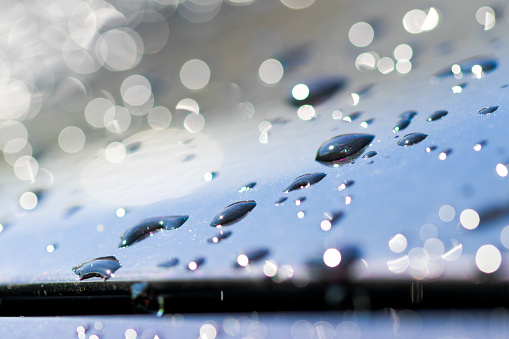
[148, 226]
[102, 267]
[318, 90]
[233, 213]
[437, 115]
[247, 187]
[343, 148]
[476, 67]
[412, 139]
[405, 119]
[488, 110]
[219, 237]
[171, 262]
[304, 181]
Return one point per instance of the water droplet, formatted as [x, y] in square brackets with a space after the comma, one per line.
[250, 257]
[304, 181]
[343, 148]
[405, 119]
[72, 210]
[146, 227]
[219, 237]
[195, 264]
[431, 148]
[458, 88]
[233, 213]
[366, 123]
[476, 67]
[488, 110]
[299, 201]
[318, 91]
[437, 115]
[102, 267]
[189, 157]
[346, 184]
[171, 262]
[352, 117]
[443, 155]
[369, 154]
[412, 139]
[247, 187]
[133, 147]
[208, 176]
[480, 145]
[281, 200]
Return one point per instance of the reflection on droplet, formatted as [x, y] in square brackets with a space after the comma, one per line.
[304, 181]
[437, 115]
[386, 65]
[301, 214]
[208, 331]
[194, 122]
[446, 213]
[502, 170]
[208, 176]
[403, 52]
[488, 110]
[26, 168]
[306, 112]
[361, 34]
[332, 257]
[146, 227]
[195, 74]
[417, 21]
[103, 267]
[367, 61]
[247, 187]
[221, 236]
[315, 91]
[412, 139]
[251, 257]
[188, 105]
[117, 119]
[477, 67]
[50, 248]
[271, 71]
[270, 268]
[504, 237]
[342, 149]
[351, 117]
[486, 17]
[469, 219]
[398, 243]
[488, 258]
[195, 264]
[430, 149]
[346, 184]
[454, 253]
[443, 155]
[115, 152]
[233, 213]
[299, 201]
[120, 212]
[480, 145]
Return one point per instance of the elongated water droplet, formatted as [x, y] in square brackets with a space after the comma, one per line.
[369, 154]
[352, 117]
[443, 155]
[171, 262]
[405, 119]
[366, 123]
[304, 181]
[315, 91]
[345, 184]
[437, 115]
[247, 187]
[430, 149]
[281, 200]
[299, 201]
[412, 139]
[476, 67]
[102, 267]
[488, 110]
[343, 148]
[195, 264]
[148, 226]
[251, 257]
[219, 237]
[233, 213]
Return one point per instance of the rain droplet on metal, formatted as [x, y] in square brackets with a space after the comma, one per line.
[476, 67]
[488, 110]
[369, 154]
[247, 187]
[412, 139]
[250, 257]
[171, 262]
[437, 115]
[102, 267]
[148, 226]
[219, 237]
[352, 117]
[304, 181]
[195, 264]
[405, 119]
[430, 149]
[233, 213]
[315, 91]
[280, 201]
[343, 148]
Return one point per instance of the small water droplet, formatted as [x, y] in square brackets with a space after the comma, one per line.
[146, 227]
[318, 91]
[476, 67]
[299, 201]
[412, 139]
[233, 213]
[342, 149]
[443, 155]
[366, 123]
[251, 257]
[458, 88]
[195, 264]
[221, 236]
[333, 217]
[405, 119]
[304, 181]
[437, 115]
[346, 184]
[280, 201]
[209, 176]
[488, 110]
[102, 267]
[189, 157]
[247, 187]
[171, 262]
[133, 147]
[352, 117]
[431, 148]
[72, 210]
[480, 145]
[369, 154]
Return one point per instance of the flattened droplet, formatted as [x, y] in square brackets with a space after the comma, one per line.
[219, 237]
[233, 213]
[195, 264]
[148, 226]
[476, 67]
[280, 201]
[412, 139]
[405, 119]
[319, 91]
[251, 257]
[247, 187]
[343, 148]
[172, 262]
[369, 154]
[488, 110]
[102, 267]
[437, 115]
[304, 181]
